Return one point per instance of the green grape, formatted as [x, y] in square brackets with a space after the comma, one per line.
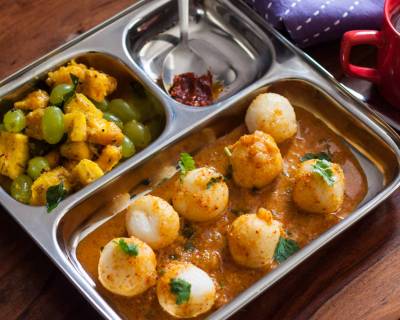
[155, 126]
[110, 117]
[36, 166]
[102, 105]
[53, 125]
[59, 92]
[21, 188]
[137, 133]
[14, 120]
[128, 148]
[123, 110]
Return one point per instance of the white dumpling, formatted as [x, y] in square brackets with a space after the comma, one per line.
[127, 272]
[202, 195]
[185, 291]
[253, 239]
[152, 220]
[272, 114]
[256, 160]
[314, 193]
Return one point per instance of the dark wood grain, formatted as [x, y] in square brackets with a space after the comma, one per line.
[355, 277]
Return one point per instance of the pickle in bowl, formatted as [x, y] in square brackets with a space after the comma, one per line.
[71, 129]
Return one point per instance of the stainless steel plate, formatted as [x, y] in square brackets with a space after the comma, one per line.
[127, 39]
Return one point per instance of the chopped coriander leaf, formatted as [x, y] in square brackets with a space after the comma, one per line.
[145, 182]
[181, 289]
[130, 249]
[187, 231]
[189, 246]
[186, 163]
[214, 180]
[284, 249]
[54, 196]
[319, 155]
[324, 169]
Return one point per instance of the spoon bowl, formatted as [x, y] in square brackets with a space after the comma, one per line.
[182, 59]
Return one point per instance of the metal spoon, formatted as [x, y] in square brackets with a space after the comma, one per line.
[182, 58]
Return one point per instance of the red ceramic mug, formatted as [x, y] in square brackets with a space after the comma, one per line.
[387, 73]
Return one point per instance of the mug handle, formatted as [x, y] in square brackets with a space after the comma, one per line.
[357, 37]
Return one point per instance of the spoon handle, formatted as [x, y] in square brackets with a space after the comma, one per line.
[184, 20]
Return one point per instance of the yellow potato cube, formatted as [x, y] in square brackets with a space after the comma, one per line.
[63, 74]
[34, 124]
[109, 158]
[75, 125]
[76, 150]
[104, 132]
[79, 103]
[14, 153]
[35, 100]
[98, 85]
[85, 172]
[47, 180]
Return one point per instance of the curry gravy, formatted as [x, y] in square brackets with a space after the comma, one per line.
[205, 244]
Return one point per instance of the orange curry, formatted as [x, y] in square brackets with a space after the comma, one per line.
[205, 244]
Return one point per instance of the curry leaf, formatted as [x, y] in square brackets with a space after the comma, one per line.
[284, 249]
[69, 95]
[181, 289]
[54, 195]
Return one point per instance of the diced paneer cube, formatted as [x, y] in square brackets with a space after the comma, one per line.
[53, 157]
[47, 180]
[79, 103]
[98, 85]
[38, 99]
[34, 124]
[14, 153]
[63, 74]
[75, 125]
[85, 172]
[104, 132]
[109, 157]
[76, 150]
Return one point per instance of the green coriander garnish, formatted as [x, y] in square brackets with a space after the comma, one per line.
[189, 246]
[130, 249]
[186, 163]
[181, 289]
[319, 155]
[54, 196]
[284, 249]
[187, 230]
[324, 169]
[214, 180]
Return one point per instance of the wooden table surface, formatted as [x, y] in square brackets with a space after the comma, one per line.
[355, 277]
